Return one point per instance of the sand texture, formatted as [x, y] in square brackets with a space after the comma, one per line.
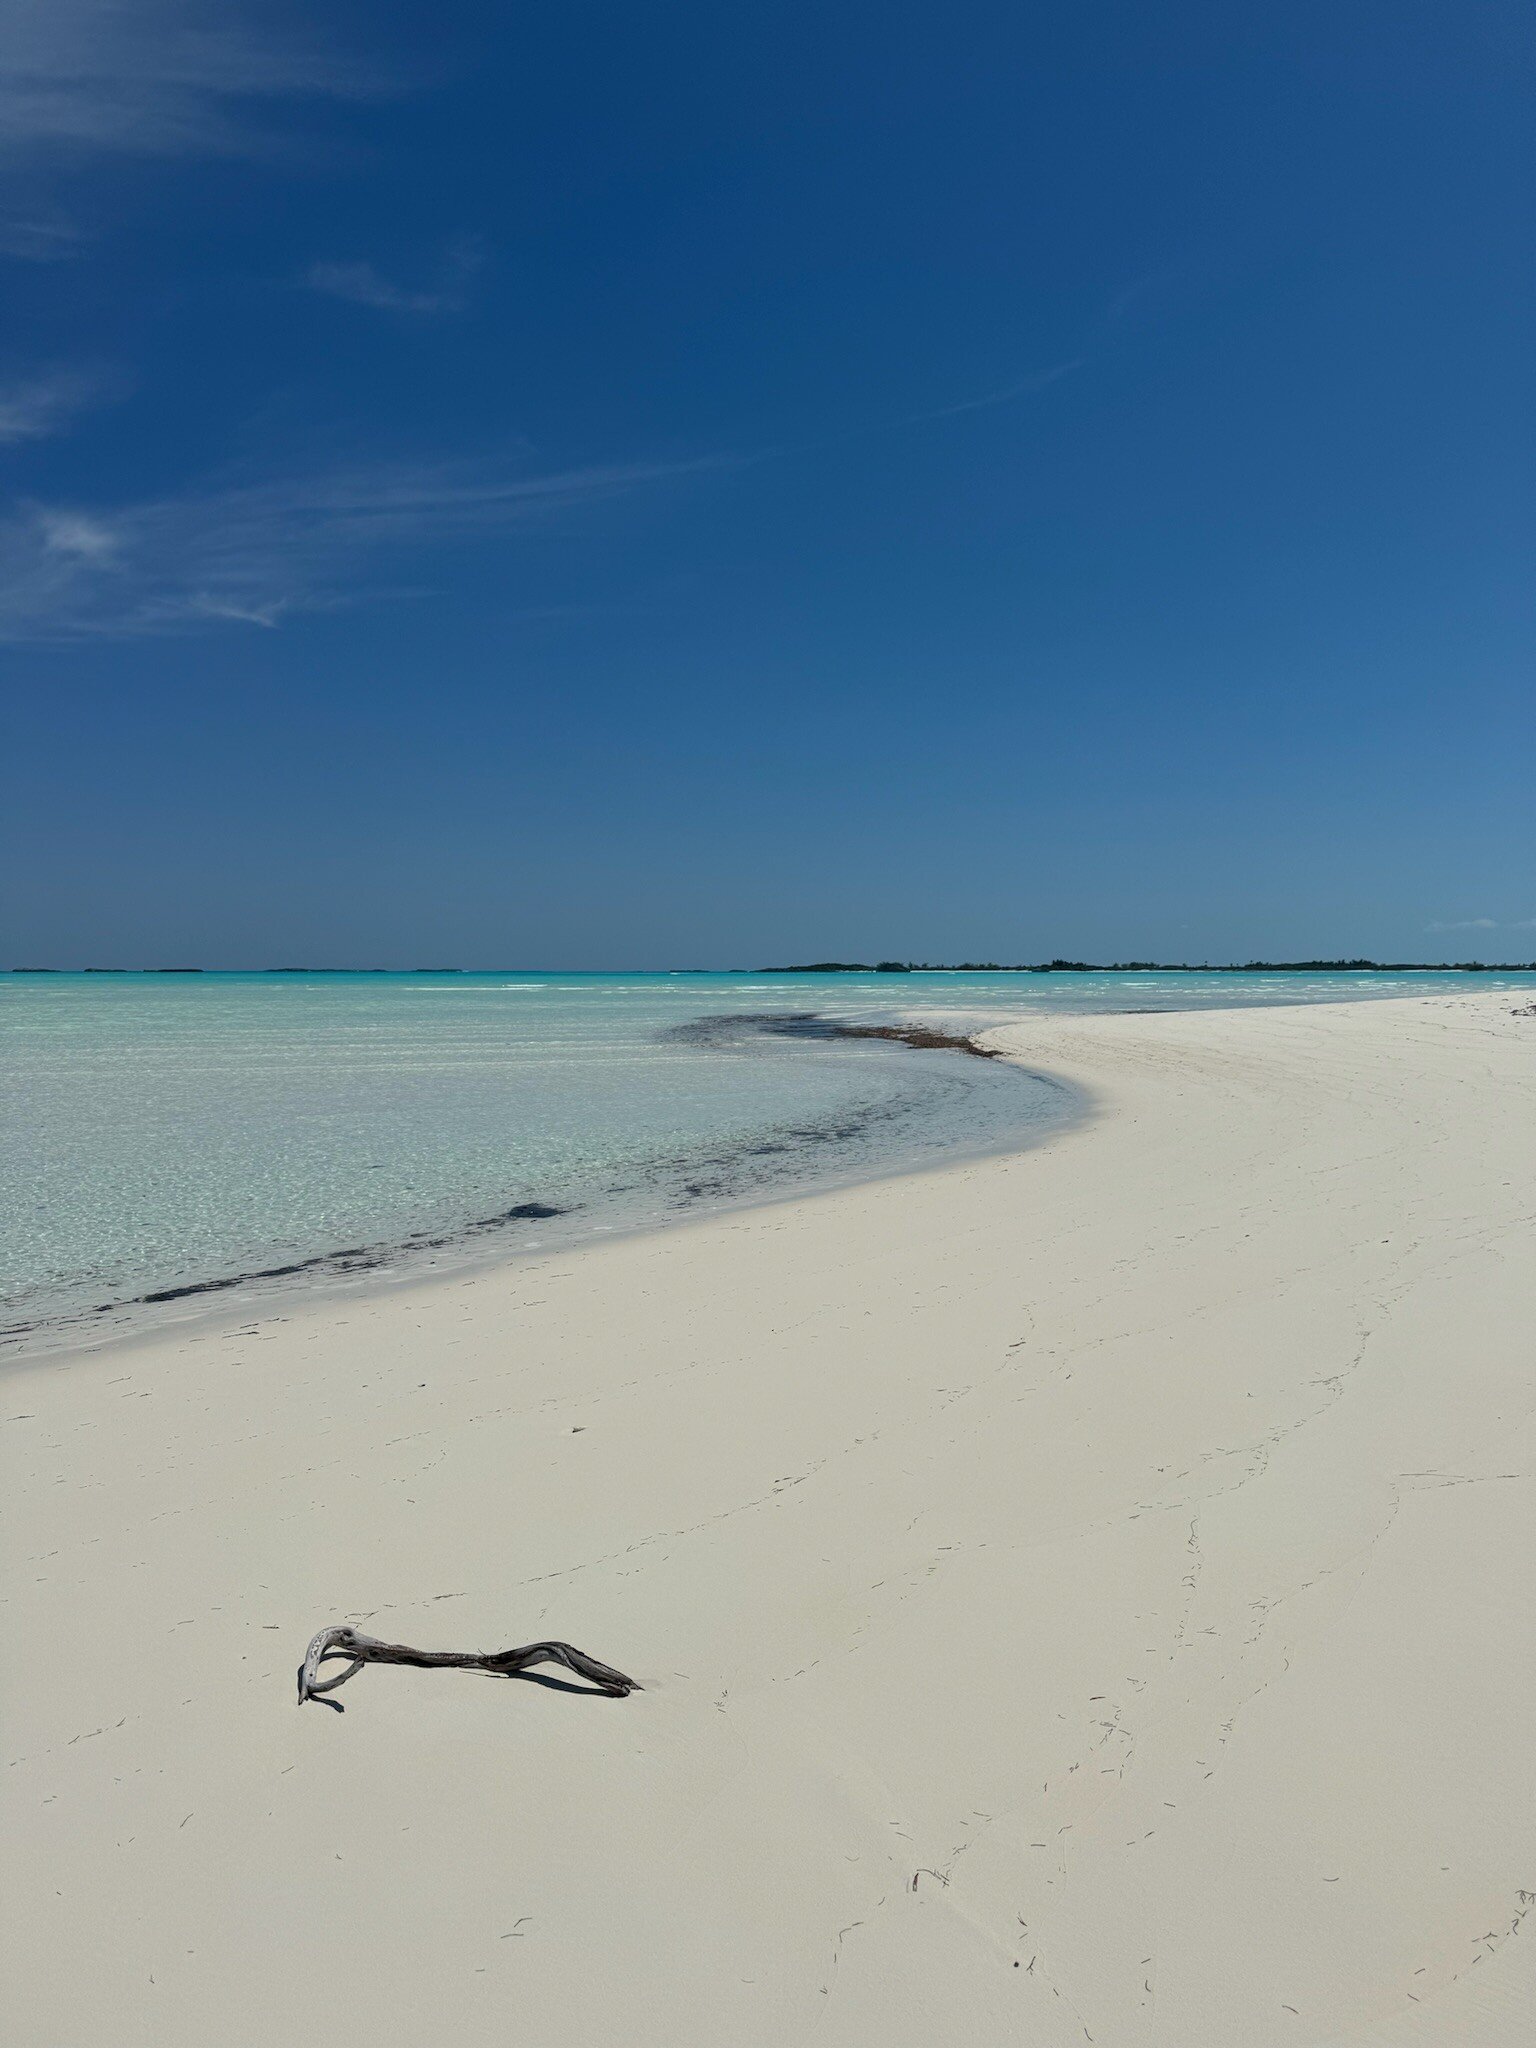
[1079, 1596]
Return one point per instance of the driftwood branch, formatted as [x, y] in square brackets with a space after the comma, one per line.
[359, 1650]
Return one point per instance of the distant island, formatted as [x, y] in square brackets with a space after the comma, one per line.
[908, 967]
[1154, 967]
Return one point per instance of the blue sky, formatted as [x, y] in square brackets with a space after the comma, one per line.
[616, 485]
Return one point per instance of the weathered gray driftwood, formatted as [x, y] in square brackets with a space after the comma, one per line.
[359, 1650]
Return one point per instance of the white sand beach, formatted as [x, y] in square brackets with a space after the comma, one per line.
[1079, 1596]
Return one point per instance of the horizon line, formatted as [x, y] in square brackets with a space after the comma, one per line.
[884, 967]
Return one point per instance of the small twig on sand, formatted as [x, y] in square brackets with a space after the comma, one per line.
[360, 1650]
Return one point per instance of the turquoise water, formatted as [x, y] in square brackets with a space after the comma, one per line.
[171, 1131]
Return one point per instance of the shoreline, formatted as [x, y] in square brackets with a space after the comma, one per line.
[382, 1278]
[196, 1237]
[389, 1264]
[1075, 1591]
[347, 1272]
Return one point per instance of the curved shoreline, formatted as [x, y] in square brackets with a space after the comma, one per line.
[220, 1191]
[267, 1290]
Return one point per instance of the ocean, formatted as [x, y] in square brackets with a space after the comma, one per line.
[179, 1139]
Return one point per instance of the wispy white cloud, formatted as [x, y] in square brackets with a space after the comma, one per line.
[35, 407]
[159, 77]
[362, 285]
[1481, 924]
[254, 553]
[73, 533]
[1021, 387]
[39, 237]
[1040, 380]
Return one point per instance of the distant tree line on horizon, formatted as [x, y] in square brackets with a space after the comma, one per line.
[1152, 967]
[905, 967]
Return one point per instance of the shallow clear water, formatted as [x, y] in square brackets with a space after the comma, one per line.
[169, 1131]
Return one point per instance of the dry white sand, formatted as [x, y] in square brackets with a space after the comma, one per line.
[1080, 1596]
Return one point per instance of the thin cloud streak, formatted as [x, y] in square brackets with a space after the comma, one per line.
[39, 406]
[1482, 924]
[1037, 380]
[254, 554]
[40, 238]
[361, 285]
[156, 77]
[1041, 380]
